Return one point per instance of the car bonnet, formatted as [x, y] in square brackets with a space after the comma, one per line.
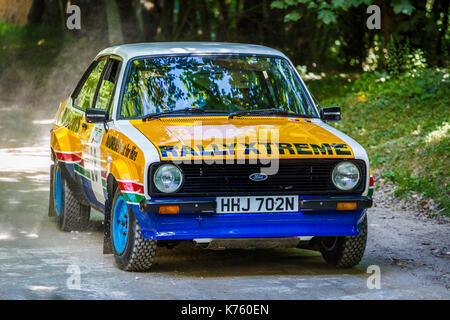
[213, 137]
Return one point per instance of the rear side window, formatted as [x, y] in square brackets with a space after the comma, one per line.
[85, 96]
[107, 85]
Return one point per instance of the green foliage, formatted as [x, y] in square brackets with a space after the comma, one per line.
[331, 34]
[402, 59]
[403, 122]
[327, 11]
[41, 62]
[29, 45]
[398, 58]
[403, 6]
[322, 9]
[342, 39]
[292, 16]
[326, 16]
[416, 62]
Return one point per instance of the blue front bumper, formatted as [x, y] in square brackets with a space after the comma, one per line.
[195, 225]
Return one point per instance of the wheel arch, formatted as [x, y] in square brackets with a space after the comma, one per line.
[120, 170]
[63, 140]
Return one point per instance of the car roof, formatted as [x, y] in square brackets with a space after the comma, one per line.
[129, 51]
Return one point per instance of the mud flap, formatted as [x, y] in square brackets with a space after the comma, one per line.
[107, 247]
[51, 201]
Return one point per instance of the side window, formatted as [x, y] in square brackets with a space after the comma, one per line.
[85, 96]
[135, 93]
[107, 85]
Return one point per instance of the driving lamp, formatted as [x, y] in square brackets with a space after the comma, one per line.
[345, 175]
[168, 178]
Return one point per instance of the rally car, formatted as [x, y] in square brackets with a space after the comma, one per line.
[220, 144]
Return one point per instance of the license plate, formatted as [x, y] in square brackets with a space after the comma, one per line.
[257, 204]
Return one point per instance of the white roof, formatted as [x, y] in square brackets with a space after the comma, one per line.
[127, 51]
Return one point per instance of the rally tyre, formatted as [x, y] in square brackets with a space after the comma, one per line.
[344, 252]
[71, 214]
[132, 252]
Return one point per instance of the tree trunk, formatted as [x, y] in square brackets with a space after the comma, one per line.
[205, 21]
[151, 13]
[250, 21]
[224, 25]
[186, 23]
[114, 26]
[439, 46]
[129, 21]
[387, 21]
[36, 12]
[167, 19]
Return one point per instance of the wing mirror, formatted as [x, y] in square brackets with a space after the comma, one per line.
[96, 115]
[330, 114]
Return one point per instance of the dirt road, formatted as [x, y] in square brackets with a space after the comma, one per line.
[39, 262]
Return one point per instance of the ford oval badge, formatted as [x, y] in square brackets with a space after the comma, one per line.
[258, 176]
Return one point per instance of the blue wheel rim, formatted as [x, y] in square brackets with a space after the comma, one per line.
[120, 225]
[57, 188]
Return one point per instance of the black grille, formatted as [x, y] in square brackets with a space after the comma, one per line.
[297, 176]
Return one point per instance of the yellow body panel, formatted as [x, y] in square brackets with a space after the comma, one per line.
[207, 138]
[118, 156]
[127, 160]
[63, 140]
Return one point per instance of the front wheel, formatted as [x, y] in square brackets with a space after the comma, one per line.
[344, 252]
[132, 252]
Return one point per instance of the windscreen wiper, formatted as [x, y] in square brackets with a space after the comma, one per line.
[185, 110]
[266, 111]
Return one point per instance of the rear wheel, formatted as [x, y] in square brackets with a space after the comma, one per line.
[70, 213]
[132, 252]
[344, 252]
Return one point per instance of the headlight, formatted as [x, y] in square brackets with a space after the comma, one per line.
[168, 178]
[345, 175]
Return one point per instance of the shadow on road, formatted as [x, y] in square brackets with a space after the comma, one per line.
[191, 261]
[188, 260]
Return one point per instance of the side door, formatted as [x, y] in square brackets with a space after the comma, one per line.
[96, 158]
[68, 123]
[83, 98]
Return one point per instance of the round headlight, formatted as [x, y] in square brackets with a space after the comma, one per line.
[345, 175]
[168, 178]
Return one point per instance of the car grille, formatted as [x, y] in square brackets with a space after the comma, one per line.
[296, 176]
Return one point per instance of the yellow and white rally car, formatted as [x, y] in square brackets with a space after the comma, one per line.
[216, 143]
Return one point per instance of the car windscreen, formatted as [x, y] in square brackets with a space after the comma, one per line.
[230, 83]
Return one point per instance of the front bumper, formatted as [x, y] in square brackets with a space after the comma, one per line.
[209, 205]
[197, 218]
[186, 204]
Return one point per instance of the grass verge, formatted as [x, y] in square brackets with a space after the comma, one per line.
[403, 123]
